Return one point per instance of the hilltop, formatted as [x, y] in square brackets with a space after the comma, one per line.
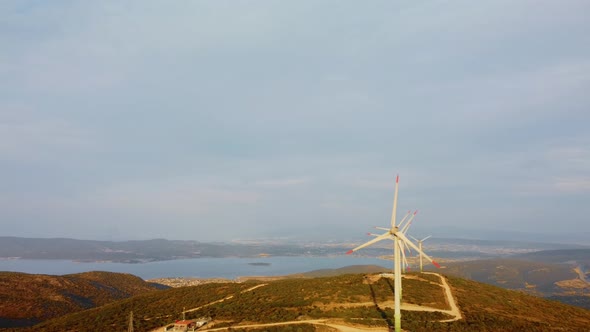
[324, 304]
[560, 274]
[27, 299]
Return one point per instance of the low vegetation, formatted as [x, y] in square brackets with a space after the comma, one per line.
[354, 299]
[150, 310]
[550, 280]
[26, 299]
[513, 274]
[287, 328]
[490, 308]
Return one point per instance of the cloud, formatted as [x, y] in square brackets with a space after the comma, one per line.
[282, 183]
[561, 170]
[553, 187]
[125, 112]
[42, 140]
[373, 184]
[573, 157]
[514, 97]
[178, 196]
[573, 184]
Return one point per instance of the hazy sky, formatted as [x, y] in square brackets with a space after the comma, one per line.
[218, 120]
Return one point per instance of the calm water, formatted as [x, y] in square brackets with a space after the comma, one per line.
[199, 267]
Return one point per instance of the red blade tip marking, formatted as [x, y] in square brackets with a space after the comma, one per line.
[415, 212]
[436, 264]
[397, 179]
[349, 252]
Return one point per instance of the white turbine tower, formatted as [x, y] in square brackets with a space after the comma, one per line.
[396, 232]
[420, 246]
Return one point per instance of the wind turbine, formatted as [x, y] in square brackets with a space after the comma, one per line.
[396, 232]
[404, 229]
[420, 246]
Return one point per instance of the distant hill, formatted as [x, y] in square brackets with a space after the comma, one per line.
[563, 256]
[27, 299]
[562, 282]
[89, 250]
[161, 249]
[353, 299]
[513, 274]
[145, 250]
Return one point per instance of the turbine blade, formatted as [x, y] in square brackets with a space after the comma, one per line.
[426, 238]
[407, 225]
[382, 228]
[415, 239]
[407, 247]
[403, 252]
[407, 241]
[366, 244]
[405, 217]
[394, 212]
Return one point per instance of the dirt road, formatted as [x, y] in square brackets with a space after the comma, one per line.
[325, 322]
[452, 311]
[450, 299]
[343, 327]
[224, 299]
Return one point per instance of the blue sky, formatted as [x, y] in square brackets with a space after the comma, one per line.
[221, 120]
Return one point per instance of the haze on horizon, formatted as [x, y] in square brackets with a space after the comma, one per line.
[217, 120]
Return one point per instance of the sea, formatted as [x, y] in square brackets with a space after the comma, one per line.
[229, 268]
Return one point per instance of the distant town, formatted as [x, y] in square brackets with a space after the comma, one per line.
[161, 249]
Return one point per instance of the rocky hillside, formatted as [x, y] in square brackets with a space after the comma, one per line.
[27, 299]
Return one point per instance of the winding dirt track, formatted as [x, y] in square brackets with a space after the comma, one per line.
[453, 311]
[450, 300]
[340, 326]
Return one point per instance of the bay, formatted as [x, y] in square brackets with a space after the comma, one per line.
[229, 268]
